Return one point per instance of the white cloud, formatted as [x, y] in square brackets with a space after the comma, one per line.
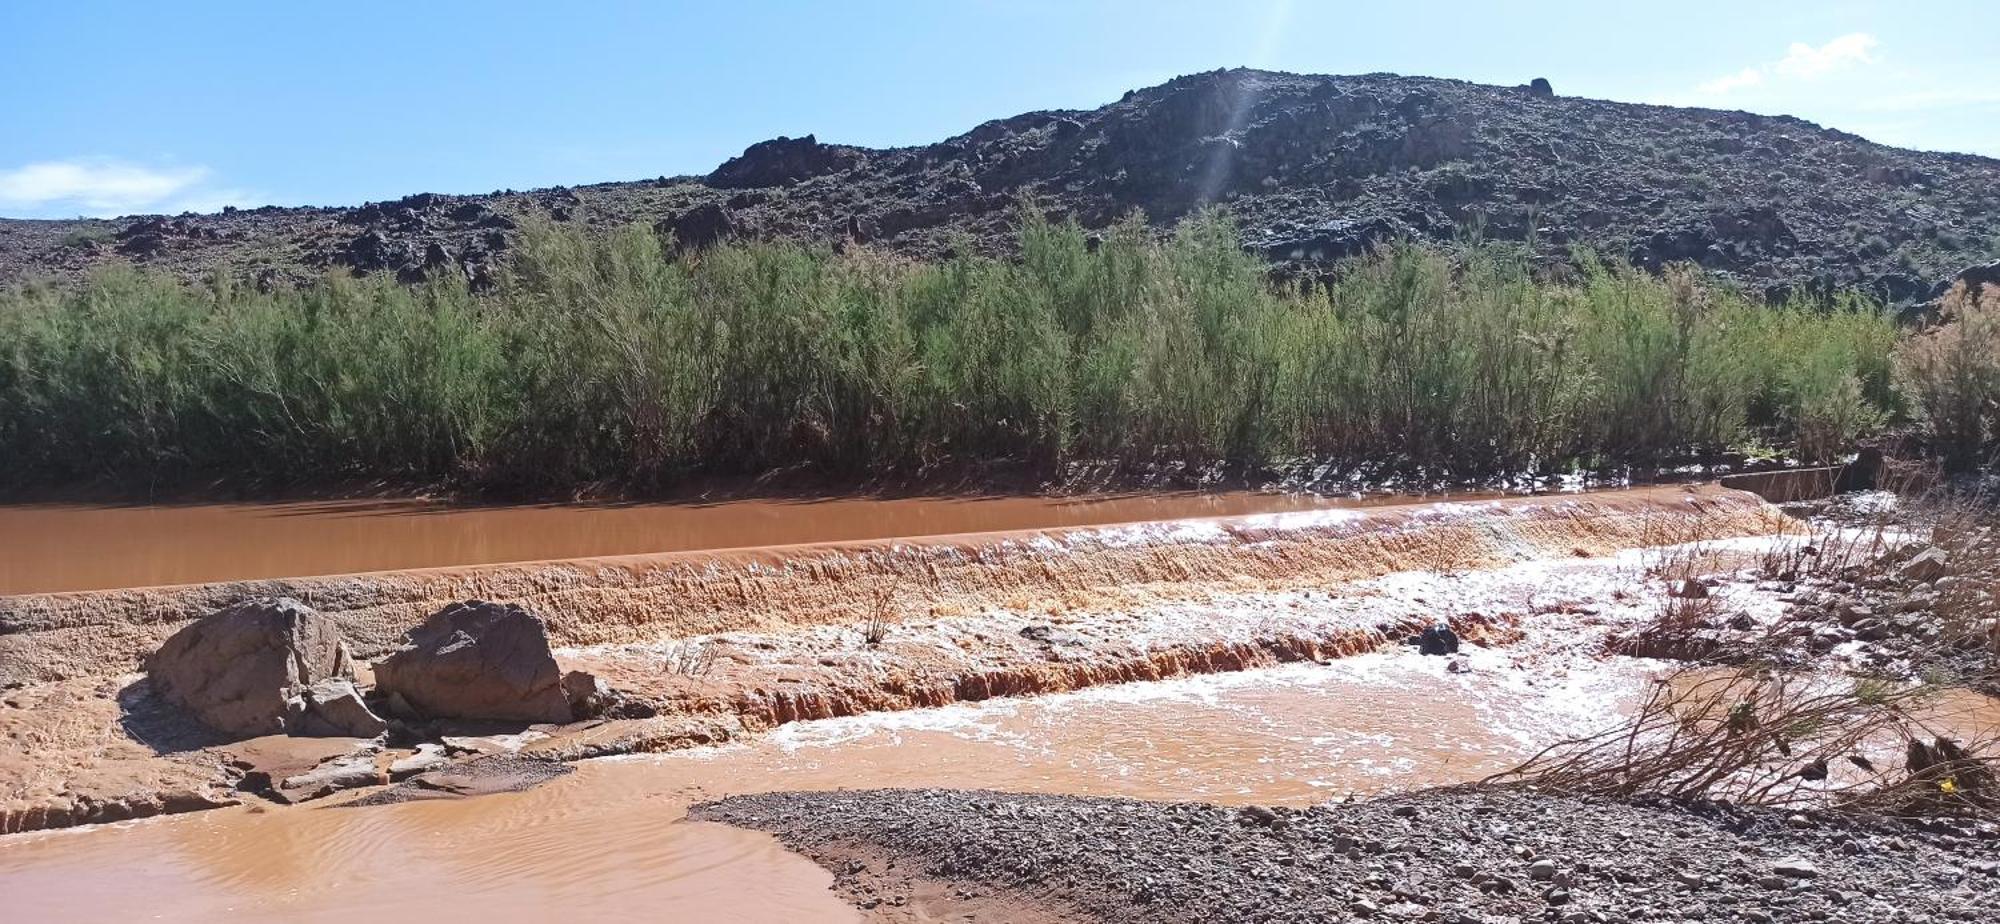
[1806, 62]
[99, 187]
[1802, 62]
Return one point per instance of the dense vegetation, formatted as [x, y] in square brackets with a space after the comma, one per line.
[605, 359]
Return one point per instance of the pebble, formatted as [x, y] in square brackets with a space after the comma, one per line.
[1542, 870]
[1795, 867]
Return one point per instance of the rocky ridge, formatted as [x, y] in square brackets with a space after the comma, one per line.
[1314, 168]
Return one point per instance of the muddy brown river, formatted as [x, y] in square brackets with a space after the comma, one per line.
[609, 842]
[42, 545]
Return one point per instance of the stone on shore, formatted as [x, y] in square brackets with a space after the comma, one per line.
[334, 708]
[240, 670]
[477, 660]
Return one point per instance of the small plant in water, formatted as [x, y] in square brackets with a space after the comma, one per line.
[880, 614]
[690, 658]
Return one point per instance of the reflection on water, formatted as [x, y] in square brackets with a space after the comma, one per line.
[72, 547]
[609, 840]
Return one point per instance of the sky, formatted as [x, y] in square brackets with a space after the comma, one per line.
[140, 107]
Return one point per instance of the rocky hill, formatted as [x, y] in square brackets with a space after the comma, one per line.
[1314, 168]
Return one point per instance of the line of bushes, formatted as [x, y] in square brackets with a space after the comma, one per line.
[604, 358]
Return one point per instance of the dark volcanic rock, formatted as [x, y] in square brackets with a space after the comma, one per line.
[1312, 168]
[698, 227]
[244, 670]
[148, 238]
[1438, 640]
[477, 660]
[782, 161]
[1974, 278]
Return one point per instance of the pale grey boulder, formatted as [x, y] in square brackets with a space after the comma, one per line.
[476, 660]
[241, 670]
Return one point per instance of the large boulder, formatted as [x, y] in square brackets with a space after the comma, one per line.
[698, 227]
[476, 660]
[244, 670]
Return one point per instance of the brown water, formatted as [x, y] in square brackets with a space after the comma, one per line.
[62, 547]
[609, 842]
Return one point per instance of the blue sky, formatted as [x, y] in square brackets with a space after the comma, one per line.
[111, 108]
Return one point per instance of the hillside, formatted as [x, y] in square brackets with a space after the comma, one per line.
[1313, 168]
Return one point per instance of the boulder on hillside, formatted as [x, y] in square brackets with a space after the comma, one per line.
[244, 670]
[698, 227]
[476, 660]
[782, 161]
[1975, 278]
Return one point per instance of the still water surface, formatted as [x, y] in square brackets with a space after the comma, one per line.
[63, 547]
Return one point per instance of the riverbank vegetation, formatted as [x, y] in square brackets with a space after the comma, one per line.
[607, 359]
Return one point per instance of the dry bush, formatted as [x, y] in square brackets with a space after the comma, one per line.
[1827, 550]
[690, 658]
[1950, 374]
[1677, 563]
[1679, 557]
[1681, 548]
[1953, 576]
[1964, 593]
[1770, 739]
[1685, 612]
[1684, 631]
[881, 613]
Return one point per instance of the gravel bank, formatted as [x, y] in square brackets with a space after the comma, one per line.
[1445, 855]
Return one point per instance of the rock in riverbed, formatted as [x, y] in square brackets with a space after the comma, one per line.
[292, 769]
[1438, 640]
[482, 776]
[357, 771]
[245, 670]
[333, 708]
[477, 660]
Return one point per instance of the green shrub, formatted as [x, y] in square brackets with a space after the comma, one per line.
[601, 358]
